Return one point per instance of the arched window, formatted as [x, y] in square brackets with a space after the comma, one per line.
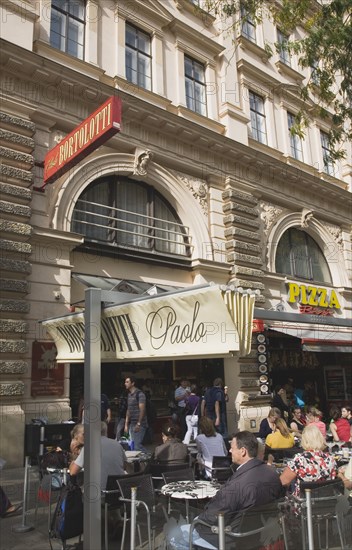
[299, 255]
[120, 212]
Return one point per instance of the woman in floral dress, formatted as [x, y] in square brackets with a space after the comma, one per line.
[313, 464]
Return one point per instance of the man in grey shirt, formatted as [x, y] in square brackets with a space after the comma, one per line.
[136, 416]
[113, 458]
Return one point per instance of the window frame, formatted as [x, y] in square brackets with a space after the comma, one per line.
[284, 54]
[256, 116]
[248, 26]
[194, 82]
[139, 54]
[111, 218]
[329, 167]
[69, 16]
[296, 144]
[310, 248]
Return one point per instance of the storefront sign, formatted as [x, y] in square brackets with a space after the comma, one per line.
[92, 132]
[194, 323]
[308, 295]
[47, 374]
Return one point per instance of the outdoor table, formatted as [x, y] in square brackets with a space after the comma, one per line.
[190, 490]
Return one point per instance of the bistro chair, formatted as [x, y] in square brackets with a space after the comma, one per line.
[111, 500]
[258, 527]
[145, 502]
[328, 503]
[221, 468]
[156, 470]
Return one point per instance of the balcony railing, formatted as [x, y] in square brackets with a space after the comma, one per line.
[123, 228]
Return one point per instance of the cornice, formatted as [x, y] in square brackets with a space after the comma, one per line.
[23, 8]
[253, 47]
[158, 16]
[286, 70]
[187, 5]
[188, 35]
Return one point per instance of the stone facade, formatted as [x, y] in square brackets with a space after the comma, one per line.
[237, 196]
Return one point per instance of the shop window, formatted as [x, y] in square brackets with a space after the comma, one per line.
[258, 126]
[295, 140]
[325, 146]
[123, 213]
[299, 255]
[67, 26]
[195, 86]
[138, 57]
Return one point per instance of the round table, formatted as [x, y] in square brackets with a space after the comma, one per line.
[190, 490]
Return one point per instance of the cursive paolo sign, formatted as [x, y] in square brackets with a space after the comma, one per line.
[193, 323]
[90, 134]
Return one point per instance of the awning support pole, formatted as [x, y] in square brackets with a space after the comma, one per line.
[92, 421]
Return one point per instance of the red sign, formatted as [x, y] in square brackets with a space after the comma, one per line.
[47, 374]
[92, 132]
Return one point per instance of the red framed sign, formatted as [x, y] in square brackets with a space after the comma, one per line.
[90, 134]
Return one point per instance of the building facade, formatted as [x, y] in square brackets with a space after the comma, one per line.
[204, 183]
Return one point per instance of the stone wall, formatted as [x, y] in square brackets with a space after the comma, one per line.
[16, 163]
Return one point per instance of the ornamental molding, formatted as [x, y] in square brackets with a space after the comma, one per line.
[269, 215]
[306, 217]
[336, 233]
[199, 190]
[141, 161]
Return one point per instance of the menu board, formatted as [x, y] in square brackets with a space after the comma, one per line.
[335, 384]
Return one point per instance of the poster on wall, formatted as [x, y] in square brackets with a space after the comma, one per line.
[335, 384]
[47, 374]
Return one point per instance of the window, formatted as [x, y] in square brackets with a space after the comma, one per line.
[295, 141]
[119, 212]
[314, 72]
[299, 255]
[328, 164]
[258, 129]
[138, 57]
[67, 26]
[195, 86]
[248, 25]
[282, 46]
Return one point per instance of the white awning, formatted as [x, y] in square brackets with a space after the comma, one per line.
[206, 321]
[320, 338]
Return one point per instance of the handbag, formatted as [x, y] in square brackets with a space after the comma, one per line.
[194, 417]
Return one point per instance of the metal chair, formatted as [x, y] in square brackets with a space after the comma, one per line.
[145, 500]
[156, 470]
[221, 468]
[111, 500]
[328, 503]
[251, 529]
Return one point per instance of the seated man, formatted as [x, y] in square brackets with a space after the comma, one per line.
[252, 484]
[113, 458]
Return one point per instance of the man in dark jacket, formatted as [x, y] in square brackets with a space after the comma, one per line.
[254, 483]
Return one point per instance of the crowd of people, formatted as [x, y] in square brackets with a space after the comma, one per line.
[201, 420]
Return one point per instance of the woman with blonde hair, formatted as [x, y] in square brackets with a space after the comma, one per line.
[281, 438]
[313, 464]
[314, 417]
[77, 441]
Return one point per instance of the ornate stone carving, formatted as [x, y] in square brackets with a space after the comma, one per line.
[306, 217]
[336, 233]
[269, 214]
[199, 190]
[141, 162]
[11, 389]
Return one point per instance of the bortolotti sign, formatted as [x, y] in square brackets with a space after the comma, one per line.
[90, 134]
[196, 323]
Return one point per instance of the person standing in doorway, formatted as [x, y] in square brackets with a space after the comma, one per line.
[214, 407]
[136, 419]
[181, 395]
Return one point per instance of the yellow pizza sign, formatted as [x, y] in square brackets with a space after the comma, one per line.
[312, 296]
